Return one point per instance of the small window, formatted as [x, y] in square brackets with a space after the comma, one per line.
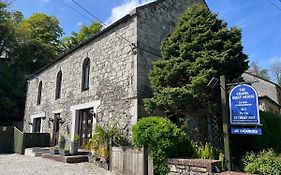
[39, 93]
[58, 85]
[86, 74]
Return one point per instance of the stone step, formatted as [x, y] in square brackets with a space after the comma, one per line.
[35, 152]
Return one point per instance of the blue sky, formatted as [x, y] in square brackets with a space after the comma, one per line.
[259, 20]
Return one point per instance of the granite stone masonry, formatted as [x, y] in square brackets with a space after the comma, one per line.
[193, 166]
[120, 59]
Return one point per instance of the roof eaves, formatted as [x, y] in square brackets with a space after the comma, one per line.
[277, 85]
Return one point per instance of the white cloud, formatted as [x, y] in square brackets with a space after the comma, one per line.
[124, 9]
[275, 60]
[79, 24]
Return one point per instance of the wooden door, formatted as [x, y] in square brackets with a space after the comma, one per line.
[85, 126]
[56, 129]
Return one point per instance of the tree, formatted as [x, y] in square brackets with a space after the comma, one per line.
[8, 26]
[258, 71]
[25, 46]
[85, 33]
[200, 47]
[40, 38]
[276, 70]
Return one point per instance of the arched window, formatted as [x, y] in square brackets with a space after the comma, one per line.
[58, 85]
[86, 74]
[39, 93]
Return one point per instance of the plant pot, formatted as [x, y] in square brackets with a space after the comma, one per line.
[74, 147]
[61, 145]
[64, 152]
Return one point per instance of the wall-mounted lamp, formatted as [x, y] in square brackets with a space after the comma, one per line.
[51, 120]
[29, 123]
[43, 118]
[92, 112]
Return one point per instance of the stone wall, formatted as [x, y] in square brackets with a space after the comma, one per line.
[112, 82]
[193, 166]
[155, 23]
[118, 76]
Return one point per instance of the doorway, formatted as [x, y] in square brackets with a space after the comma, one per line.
[56, 129]
[85, 125]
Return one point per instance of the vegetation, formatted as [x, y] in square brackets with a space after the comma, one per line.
[76, 138]
[257, 70]
[26, 45]
[163, 139]
[99, 143]
[270, 137]
[264, 163]
[199, 48]
[85, 33]
[276, 70]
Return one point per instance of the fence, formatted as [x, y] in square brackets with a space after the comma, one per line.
[13, 140]
[130, 161]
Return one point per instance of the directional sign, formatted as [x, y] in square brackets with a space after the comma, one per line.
[247, 131]
[244, 108]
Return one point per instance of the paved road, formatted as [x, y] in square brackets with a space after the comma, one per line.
[14, 164]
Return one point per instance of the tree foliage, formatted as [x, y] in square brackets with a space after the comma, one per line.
[200, 47]
[25, 46]
[258, 71]
[84, 33]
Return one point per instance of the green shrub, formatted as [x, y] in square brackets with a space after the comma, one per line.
[265, 163]
[163, 139]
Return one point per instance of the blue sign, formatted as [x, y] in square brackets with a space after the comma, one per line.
[247, 131]
[244, 108]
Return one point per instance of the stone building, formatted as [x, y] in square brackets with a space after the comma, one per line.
[269, 93]
[104, 79]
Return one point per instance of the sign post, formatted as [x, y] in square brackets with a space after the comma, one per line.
[225, 121]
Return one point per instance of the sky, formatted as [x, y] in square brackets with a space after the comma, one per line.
[259, 20]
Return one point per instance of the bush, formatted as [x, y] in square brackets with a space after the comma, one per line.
[265, 163]
[163, 139]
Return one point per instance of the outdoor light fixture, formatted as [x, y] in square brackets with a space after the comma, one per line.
[51, 120]
[213, 82]
[43, 118]
[92, 112]
[29, 123]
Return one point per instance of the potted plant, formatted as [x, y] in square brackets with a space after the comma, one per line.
[61, 145]
[75, 144]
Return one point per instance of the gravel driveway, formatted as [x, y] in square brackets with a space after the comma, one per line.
[14, 164]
